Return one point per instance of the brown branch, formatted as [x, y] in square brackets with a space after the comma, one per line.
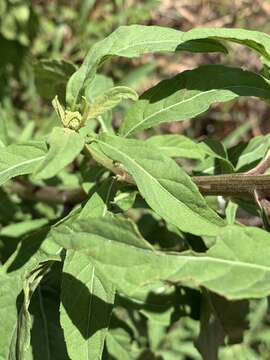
[239, 185]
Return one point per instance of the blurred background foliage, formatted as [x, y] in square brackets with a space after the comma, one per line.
[41, 44]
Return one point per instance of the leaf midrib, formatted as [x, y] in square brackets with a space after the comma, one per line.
[99, 59]
[197, 258]
[89, 310]
[201, 258]
[21, 164]
[149, 43]
[157, 182]
[55, 152]
[188, 100]
[45, 323]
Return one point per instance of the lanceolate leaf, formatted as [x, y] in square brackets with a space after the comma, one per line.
[20, 159]
[84, 287]
[99, 85]
[13, 275]
[21, 338]
[96, 88]
[217, 152]
[165, 186]
[190, 93]
[177, 146]
[86, 303]
[21, 228]
[132, 41]
[135, 40]
[65, 145]
[97, 205]
[116, 229]
[235, 267]
[51, 77]
[109, 99]
[245, 155]
[47, 336]
[256, 40]
[59, 109]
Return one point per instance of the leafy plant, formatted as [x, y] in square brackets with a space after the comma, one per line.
[110, 244]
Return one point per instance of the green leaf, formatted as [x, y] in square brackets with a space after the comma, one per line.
[177, 146]
[47, 337]
[132, 41]
[90, 175]
[97, 87]
[234, 267]
[20, 159]
[246, 155]
[167, 189]
[125, 199]
[256, 40]
[85, 331]
[109, 99]
[65, 145]
[214, 148]
[190, 93]
[51, 77]
[33, 250]
[119, 345]
[84, 288]
[59, 110]
[22, 337]
[233, 137]
[217, 151]
[22, 228]
[230, 212]
[117, 229]
[99, 201]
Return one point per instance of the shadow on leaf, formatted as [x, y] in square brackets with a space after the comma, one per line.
[87, 312]
[29, 246]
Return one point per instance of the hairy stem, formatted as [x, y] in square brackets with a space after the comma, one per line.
[237, 185]
[241, 185]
